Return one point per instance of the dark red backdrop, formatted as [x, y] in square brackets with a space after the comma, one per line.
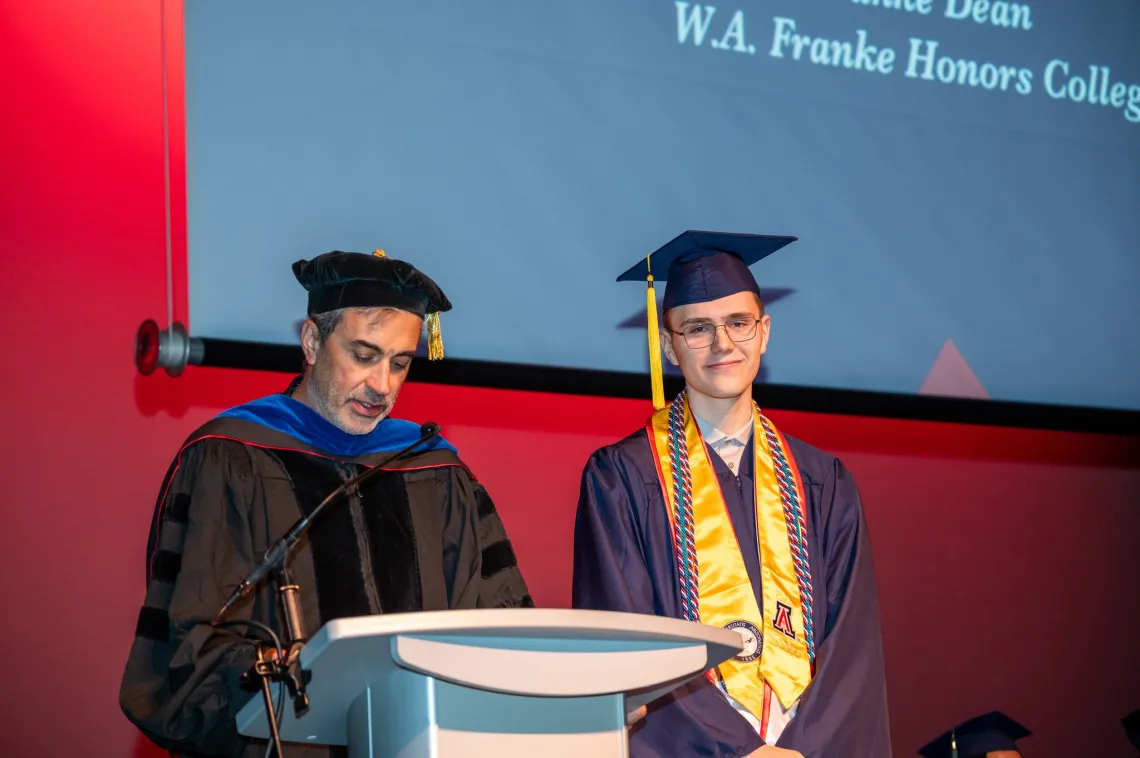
[1007, 560]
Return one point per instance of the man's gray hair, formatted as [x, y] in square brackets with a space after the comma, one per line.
[327, 322]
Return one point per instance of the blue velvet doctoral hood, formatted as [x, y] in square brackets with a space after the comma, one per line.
[288, 416]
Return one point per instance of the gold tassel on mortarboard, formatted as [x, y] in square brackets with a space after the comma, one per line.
[379, 253]
[656, 381]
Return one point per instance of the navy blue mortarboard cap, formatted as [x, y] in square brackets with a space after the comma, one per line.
[978, 736]
[1131, 724]
[703, 266]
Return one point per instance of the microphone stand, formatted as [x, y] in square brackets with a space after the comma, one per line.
[270, 711]
[286, 666]
[289, 670]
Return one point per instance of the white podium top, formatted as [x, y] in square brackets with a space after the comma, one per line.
[519, 651]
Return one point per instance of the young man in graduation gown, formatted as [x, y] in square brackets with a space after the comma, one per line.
[709, 513]
[991, 735]
[422, 536]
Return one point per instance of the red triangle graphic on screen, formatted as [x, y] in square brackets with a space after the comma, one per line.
[951, 375]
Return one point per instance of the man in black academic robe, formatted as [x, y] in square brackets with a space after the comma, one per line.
[422, 536]
[626, 557]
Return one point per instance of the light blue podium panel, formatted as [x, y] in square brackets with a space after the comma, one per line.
[499, 682]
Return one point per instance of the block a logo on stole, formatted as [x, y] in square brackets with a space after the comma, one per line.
[782, 621]
[751, 637]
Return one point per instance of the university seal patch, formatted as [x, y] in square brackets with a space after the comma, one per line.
[751, 637]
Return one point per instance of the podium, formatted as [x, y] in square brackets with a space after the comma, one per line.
[505, 682]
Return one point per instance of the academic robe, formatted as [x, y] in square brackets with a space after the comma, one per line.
[624, 561]
[425, 536]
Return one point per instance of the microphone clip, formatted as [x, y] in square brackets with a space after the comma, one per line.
[288, 672]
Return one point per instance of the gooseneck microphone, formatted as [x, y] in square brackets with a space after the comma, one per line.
[278, 553]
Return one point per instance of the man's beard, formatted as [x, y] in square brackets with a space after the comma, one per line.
[330, 406]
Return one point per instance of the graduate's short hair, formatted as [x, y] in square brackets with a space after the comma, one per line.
[759, 304]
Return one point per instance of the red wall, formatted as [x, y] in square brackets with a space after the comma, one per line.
[1007, 560]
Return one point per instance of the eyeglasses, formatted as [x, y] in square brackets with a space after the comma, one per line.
[738, 329]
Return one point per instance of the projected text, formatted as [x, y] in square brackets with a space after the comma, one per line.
[917, 58]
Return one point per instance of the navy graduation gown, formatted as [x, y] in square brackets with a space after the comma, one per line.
[624, 561]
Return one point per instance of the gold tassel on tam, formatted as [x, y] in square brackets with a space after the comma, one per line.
[656, 381]
[435, 339]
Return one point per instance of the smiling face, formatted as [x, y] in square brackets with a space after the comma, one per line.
[356, 371]
[724, 369]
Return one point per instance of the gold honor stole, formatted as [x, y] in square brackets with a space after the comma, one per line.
[779, 645]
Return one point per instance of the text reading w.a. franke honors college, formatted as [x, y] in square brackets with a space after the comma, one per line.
[1088, 83]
